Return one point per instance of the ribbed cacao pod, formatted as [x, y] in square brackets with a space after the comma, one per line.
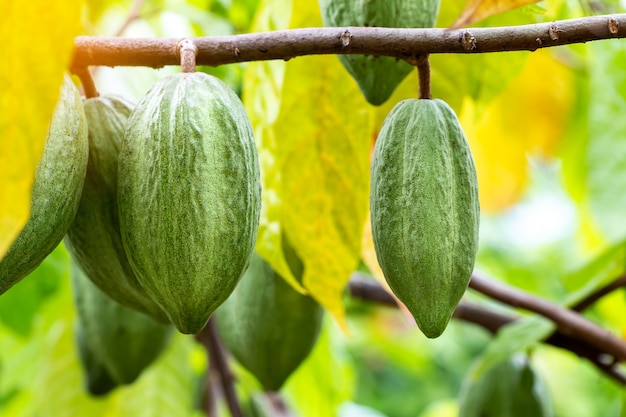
[118, 343]
[56, 189]
[189, 195]
[511, 388]
[268, 326]
[378, 76]
[425, 210]
[94, 239]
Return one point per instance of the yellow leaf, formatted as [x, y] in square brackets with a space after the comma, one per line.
[528, 117]
[263, 83]
[476, 10]
[37, 44]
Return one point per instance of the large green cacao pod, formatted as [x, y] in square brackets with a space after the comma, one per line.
[56, 189]
[189, 195]
[511, 388]
[425, 211]
[378, 76]
[115, 342]
[268, 326]
[94, 239]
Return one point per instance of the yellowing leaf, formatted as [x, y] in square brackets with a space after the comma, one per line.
[526, 118]
[315, 167]
[38, 39]
[263, 83]
[476, 10]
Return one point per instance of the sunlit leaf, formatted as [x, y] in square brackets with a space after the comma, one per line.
[263, 83]
[38, 39]
[476, 10]
[325, 380]
[512, 338]
[528, 117]
[19, 306]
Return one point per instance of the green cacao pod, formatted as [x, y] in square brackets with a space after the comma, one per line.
[121, 341]
[94, 239]
[189, 195]
[378, 76]
[56, 189]
[425, 211]
[268, 326]
[509, 389]
[97, 379]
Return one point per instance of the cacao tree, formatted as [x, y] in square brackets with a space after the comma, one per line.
[333, 208]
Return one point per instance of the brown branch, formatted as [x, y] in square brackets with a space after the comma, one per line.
[568, 322]
[592, 298]
[209, 337]
[400, 43]
[493, 322]
[86, 79]
[423, 72]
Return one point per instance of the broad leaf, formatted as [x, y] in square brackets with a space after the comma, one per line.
[512, 338]
[38, 39]
[476, 10]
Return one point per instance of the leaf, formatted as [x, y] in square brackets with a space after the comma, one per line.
[512, 338]
[325, 380]
[476, 10]
[263, 83]
[19, 307]
[605, 192]
[528, 117]
[38, 39]
[315, 170]
[165, 389]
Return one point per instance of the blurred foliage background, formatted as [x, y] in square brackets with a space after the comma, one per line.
[546, 129]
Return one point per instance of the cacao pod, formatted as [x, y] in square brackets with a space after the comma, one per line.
[268, 326]
[378, 76]
[511, 388]
[97, 379]
[94, 239]
[116, 341]
[56, 189]
[189, 195]
[425, 211]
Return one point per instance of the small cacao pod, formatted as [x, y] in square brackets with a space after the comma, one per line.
[268, 326]
[94, 239]
[189, 195]
[98, 382]
[56, 189]
[511, 388]
[117, 342]
[425, 210]
[378, 76]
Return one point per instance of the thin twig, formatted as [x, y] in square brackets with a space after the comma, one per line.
[568, 322]
[218, 358]
[493, 321]
[86, 79]
[400, 43]
[132, 16]
[423, 73]
[592, 298]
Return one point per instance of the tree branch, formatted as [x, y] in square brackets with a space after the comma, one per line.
[592, 298]
[400, 43]
[492, 322]
[217, 356]
[568, 322]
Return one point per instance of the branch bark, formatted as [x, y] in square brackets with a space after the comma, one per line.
[400, 43]
[493, 322]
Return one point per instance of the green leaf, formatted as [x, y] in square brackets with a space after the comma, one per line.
[325, 380]
[20, 305]
[512, 338]
[166, 389]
